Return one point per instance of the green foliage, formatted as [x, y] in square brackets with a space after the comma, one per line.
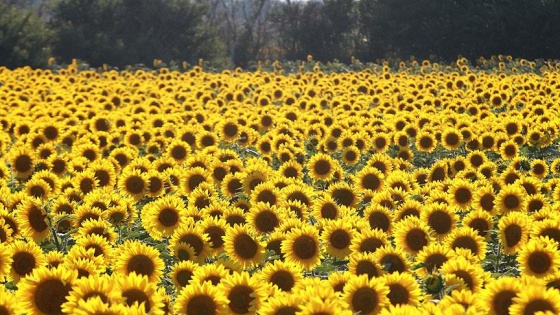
[448, 28]
[123, 32]
[23, 37]
[320, 29]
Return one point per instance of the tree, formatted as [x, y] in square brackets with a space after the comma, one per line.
[321, 29]
[124, 32]
[24, 37]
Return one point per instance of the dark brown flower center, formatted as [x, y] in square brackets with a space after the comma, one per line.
[245, 246]
[49, 296]
[364, 300]
[141, 264]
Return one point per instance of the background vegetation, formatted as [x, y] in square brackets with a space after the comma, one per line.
[237, 32]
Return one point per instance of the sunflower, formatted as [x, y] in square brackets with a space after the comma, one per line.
[534, 299]
[184, 252]
[282, 275]
[85, 182]
[480, 221]
[232, 185]
[243, 292]
[392, 259]
[133, 183]
[264, 145]
[235, 215]
[281, 303]
[403, 289]
[337, 235]
[274, 245]
[228, 130]
[178, 151]
[537, 202]
[133, 138]
[202, 197]
[87, 288]
[99, 227]
[510, 176]
[213, 273]
[45, 290]
[297, 208]
[50, 179]
[321, 167]
[338, 280]
[326, 208]
[343, 194]
[555, 166]
[401, 309]
[135, 290]
[243, 247]
[33, 219]
[38, 188]
[5, 232]
[85, 212]
[511, 198]
[410, 208]
[100, 245]
[300, 192]
[451, 139]
[156, 183]
[412, 235]
[301, 247]
[119, 214]
[379, 142]
[379, 217]
[139, 258]
[8, 302]
[461, 194]
[85, 267]
[163, 216]
[263, 218]
[462, 272]
[499, 294]
[351, 155]
[461, 301]
[514, 231]
[365, 295]
[430, 259]
[484, 199]
[476, 158]
[368, 241]
[215, 228]
[291, 169]
[539, 257]
[265, 193]
[6, 260]
[440, 218]
[200, 299]
[194, 177]
[182, 272]
[468, 238]
[425, 141]
[315, 305]
[438, 171]
[382, 162]
[22, 161]
[189, 240]
[539, 168]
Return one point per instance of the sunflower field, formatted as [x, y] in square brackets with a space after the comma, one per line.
[415, 188]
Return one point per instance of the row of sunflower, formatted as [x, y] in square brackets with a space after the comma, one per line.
[313, 193]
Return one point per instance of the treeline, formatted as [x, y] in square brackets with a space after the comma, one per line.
[238, 32]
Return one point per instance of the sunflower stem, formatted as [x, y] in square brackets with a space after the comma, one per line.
[498, 254]
[55, 238]
[119, 229]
